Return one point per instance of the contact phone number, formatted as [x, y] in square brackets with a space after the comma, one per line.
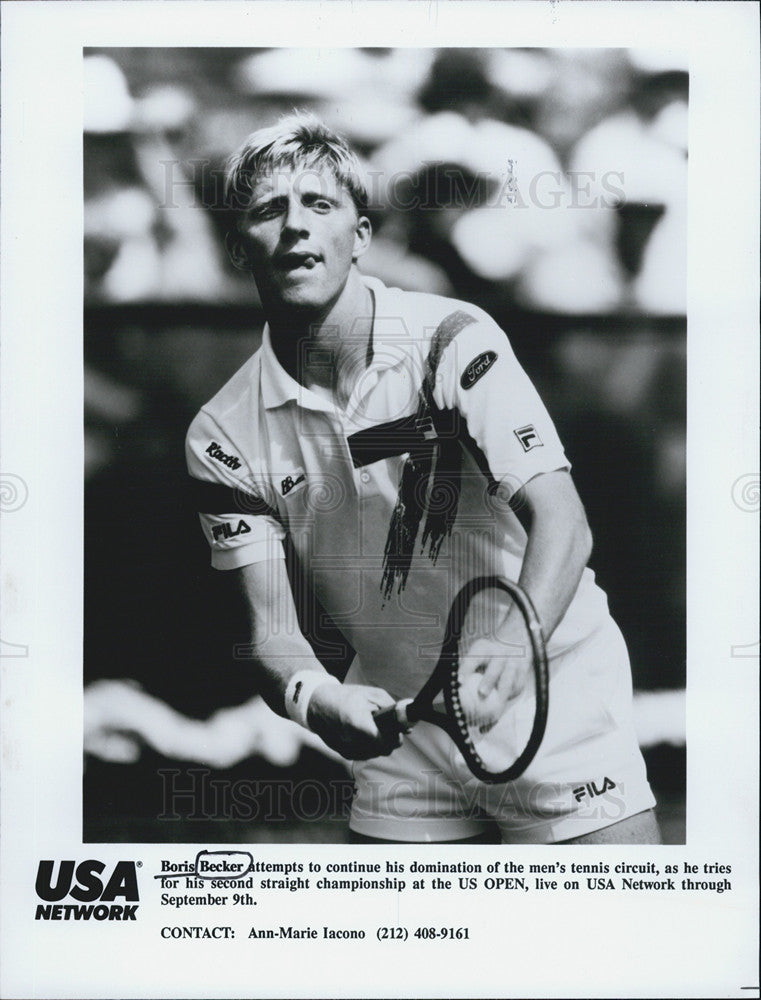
[423, 933]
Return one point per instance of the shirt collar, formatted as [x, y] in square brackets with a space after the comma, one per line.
[277, 385]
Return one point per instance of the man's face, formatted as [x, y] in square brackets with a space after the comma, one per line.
[301, 233]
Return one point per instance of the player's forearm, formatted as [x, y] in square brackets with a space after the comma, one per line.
[294, 683]
[278, 647]
[557, 551]
[277, 659]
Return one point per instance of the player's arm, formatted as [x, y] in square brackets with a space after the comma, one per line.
[559, 544]
[525, 461]
[523, 458]
[558, 547]
[241, 524]
[342, 715]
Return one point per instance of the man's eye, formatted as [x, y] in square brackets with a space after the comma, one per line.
[268, 210]
[322, 205]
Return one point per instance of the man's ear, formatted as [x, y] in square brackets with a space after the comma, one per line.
[236, 251]
[362, 236]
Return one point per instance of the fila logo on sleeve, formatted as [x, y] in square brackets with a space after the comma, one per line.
[528, 437]
[222, 531]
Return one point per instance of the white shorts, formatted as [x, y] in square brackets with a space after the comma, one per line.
[588, 773]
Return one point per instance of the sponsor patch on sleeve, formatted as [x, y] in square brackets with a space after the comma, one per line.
[227, 529]
[528, 437]
[291, 481]
[477, 368]
[216, 452]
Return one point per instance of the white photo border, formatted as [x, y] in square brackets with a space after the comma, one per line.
[685, 945]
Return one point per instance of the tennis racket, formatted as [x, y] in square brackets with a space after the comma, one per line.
[492, 750]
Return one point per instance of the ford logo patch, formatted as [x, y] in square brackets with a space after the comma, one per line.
[478, 367]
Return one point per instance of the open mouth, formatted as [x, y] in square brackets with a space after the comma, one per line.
[294, 260]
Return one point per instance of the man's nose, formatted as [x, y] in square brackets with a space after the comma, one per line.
[295, 219]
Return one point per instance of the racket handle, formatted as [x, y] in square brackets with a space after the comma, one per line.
[392, 720]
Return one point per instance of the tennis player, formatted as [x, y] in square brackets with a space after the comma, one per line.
[394, 442]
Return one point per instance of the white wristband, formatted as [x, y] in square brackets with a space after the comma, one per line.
[299, 692]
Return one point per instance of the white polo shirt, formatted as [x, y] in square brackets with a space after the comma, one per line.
[270, 458]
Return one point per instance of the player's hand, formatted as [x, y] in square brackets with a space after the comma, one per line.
[342, 715]
[492, 674]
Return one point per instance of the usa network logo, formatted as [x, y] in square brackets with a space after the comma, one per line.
[93, 888]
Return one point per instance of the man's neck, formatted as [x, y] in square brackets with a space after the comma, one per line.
[328, 352]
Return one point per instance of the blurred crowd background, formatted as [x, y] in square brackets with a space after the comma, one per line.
[549, 187]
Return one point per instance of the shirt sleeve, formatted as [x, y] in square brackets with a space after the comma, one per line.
[239, 524]
[498, 412]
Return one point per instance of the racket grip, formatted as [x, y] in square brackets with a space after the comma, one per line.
[393, 720]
